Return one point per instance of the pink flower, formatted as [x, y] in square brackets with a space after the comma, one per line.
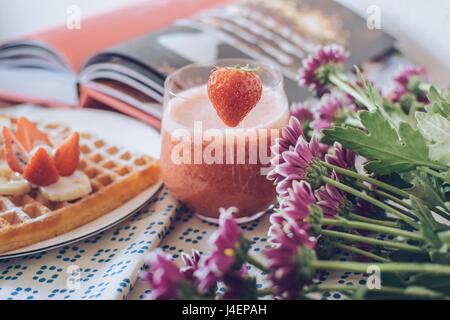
[226, 254]
[403, 81]
[289, 136]
[298, 164]
[318, 66]
[191, 264]
[285, 259]
[332, 202]
[302, 111]
[164, 276]
[331, 106]
[300, 198]
[341, 157]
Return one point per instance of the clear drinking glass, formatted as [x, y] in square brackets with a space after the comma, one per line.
[208, 165]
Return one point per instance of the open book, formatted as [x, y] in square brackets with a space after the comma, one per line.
[129, 77]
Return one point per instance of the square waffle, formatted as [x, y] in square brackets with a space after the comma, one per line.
[116, 176]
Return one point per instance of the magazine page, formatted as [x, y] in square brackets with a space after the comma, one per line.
[277, 32]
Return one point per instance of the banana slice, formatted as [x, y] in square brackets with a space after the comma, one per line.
[5, 122]
[12, 184]
[68, 188]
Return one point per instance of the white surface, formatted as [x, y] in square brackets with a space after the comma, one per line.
[113, 127]
[51, 85]
[422, 29]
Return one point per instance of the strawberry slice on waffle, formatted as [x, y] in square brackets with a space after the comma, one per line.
[67, 155]
[41, 169]
[15, 154]
[27, 153]
[29, 135]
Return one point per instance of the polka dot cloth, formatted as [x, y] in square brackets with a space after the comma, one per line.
[106, 266]
[188, 232]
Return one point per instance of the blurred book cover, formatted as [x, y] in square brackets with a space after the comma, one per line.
[129, 77]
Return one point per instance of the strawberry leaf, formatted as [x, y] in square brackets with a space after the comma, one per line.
[389, 150]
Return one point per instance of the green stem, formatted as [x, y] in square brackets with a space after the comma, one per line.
[429, 294]
[360, 252]
[265, 292]
[389, 267]
[385, 195]
[375, 242]
[258, 264]
[346, 87]
[434, 173]
[373, 181]
[372, 227]
[368, 198]
[325, 287]
[357, 217]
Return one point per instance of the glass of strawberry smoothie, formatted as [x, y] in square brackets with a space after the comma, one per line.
[208, 165]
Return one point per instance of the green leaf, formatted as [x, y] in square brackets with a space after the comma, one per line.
[440, 102]
[433, 94]
[425, 188]
[441, 256]
[428, 226]
[436, 130]
[435, 282]
[390, 150]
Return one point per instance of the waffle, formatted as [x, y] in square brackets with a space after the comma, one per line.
[116, 176]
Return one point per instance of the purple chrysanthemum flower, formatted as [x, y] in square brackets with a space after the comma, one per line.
[318, 66]
[332, 201]
[164, 276]
[331, 106]
[287, 141]
[323, 149]
[225, 256]
[283, 186]
[285, 259]
[403, 81]
[341, 157]
[302, 111]
[191, 264]
[300, 198]
[298, 164]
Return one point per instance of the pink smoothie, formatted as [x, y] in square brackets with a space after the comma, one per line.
[208, 165]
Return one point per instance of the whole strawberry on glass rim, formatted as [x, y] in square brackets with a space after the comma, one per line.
[34, 159]
[234, 92]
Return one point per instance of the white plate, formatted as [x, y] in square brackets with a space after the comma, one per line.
[116, 129]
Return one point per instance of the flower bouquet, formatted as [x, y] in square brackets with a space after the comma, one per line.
[363, 164]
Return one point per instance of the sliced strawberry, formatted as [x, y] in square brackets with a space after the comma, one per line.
[15, 154]
[40, 169]
[29, 134]
[67, 155]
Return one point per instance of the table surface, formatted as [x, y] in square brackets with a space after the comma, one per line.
[109, 263]
[107, 266]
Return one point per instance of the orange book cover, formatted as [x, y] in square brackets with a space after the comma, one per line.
[102, 31]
